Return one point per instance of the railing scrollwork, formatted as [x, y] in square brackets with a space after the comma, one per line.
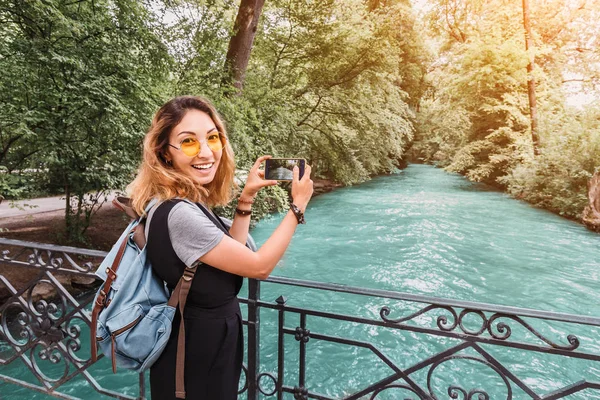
[44, 334]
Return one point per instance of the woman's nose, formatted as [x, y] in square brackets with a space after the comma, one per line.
[205, 151]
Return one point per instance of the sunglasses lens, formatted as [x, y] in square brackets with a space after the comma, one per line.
[190, 147]
[214, 142]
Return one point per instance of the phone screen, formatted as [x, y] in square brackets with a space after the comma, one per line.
[281, 169]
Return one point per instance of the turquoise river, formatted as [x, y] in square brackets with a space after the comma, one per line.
[418, 231]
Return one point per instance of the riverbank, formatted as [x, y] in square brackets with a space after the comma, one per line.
[589, 216]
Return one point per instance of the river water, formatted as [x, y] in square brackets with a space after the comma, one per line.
[425, 231]
[421, 231]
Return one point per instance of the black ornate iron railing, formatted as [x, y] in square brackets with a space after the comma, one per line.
[52, 332]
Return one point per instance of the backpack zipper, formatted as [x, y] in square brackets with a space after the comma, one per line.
[113, 337]
[128, 326]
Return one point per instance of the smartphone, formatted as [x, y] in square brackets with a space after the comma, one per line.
[281, 169]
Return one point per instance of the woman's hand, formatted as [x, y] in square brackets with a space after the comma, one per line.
[232, 256]
[302, 189]
[255, 180]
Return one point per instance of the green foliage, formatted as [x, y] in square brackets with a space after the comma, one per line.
[325, 82]
[491, 77]
[475, 119]
[557, 179]
[477, 124]
[269, 200]
[440, 132]
[89, 78]
[334, 68]
[13, 186]
[335, 82]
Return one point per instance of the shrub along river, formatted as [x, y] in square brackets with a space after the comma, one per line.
[421, 231]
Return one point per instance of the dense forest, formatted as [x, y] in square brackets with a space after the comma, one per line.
[475, 118]
[357, 87]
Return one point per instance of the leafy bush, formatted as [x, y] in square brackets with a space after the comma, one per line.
[557, 179]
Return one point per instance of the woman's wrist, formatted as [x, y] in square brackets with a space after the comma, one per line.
[246, 199]
[301, 205]
[298, 213]
[243, 213]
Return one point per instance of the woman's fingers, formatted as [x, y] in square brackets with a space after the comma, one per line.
[302, 189]
[307, 170]
[259, 161]
[263, 182]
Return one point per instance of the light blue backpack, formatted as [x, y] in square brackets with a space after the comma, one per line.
[133, 310]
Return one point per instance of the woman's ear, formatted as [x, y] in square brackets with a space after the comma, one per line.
[166, 159]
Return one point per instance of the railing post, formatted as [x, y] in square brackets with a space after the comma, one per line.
[142, 387]
[280, 346]
[302, 336]
[253, 338]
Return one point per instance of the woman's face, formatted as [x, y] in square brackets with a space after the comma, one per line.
[200, 126]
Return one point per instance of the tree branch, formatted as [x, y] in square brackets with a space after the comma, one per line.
[311, 112]
[575, 80]
[9, 143]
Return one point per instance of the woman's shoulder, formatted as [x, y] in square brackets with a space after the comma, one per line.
[184, 212]
[190, 228]
[176, 211]
[177, 205]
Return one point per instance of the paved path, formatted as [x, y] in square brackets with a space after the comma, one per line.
[58, 203]
[35, 206]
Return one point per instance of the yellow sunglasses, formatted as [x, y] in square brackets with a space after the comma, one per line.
[190, 146]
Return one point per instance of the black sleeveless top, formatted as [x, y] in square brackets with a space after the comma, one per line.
[211, 287]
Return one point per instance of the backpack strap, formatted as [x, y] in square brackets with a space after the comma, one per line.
[179, 297]
[215, 219]
[100, 303]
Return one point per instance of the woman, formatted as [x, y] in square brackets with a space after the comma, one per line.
[187, 156]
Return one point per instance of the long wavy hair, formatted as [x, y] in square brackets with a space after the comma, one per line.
[157, 179]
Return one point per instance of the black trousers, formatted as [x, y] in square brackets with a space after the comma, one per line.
[213, 355]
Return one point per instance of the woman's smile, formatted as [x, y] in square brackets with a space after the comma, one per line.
[203, 167]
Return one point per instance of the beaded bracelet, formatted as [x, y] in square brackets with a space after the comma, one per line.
[242, 201]
[297, 213]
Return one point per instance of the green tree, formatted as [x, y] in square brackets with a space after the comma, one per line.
[325, 82]
[336, 82]
[474, 119]
[90, 76]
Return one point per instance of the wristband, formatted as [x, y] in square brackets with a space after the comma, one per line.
[299, 214]
[243, 212]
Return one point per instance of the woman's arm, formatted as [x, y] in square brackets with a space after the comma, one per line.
[254, 182]
[241, 225]
[232, 256]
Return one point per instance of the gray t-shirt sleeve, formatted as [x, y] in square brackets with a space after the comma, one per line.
[192, 234]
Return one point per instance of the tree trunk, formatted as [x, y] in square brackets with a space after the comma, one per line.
[531, 80]
[240, 44]
[68, 217]
[591, 213]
